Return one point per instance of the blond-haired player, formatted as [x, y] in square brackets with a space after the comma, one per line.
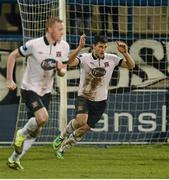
[45, 56]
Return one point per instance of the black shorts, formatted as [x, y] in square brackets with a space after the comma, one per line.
[94, 109]
[34, 102]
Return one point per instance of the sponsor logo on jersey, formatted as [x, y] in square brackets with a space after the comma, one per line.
[48, 64]
[106, 64]
[98, 72]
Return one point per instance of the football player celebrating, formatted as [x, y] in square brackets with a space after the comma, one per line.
[44, 57]
[96, 69]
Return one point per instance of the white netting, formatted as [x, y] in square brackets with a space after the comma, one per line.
[137, 108]
[34, 14]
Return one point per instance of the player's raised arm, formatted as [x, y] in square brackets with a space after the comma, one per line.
[123, 48]
[10, 66]
[73, 61]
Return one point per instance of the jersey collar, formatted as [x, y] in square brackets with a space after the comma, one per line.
[95, 57]
[47, 42]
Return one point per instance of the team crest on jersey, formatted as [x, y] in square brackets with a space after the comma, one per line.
[106, 64]
[58, 53]
[98, 72]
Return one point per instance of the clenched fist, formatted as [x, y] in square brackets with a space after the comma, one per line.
[11, 85]
[122, 47]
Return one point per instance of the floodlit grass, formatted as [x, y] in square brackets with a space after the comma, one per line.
[120, 161]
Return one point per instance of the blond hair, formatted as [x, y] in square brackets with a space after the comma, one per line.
[51, 20]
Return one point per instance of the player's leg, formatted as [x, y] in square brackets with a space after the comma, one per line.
[75, 136]
[37, 115]
[73, 139]
[14, 159]
[95, 111]
[80, 107]
[66, 132]
[27, 145]
[72, 126]
[31, 127]
[37, 110]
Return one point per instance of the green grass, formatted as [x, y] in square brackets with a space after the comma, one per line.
[92, 162]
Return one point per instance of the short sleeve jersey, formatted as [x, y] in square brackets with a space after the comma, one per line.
[95, 75]
[37, 50]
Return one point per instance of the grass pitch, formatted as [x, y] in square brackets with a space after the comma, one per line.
[120, 161]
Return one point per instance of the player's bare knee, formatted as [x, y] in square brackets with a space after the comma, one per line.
[82, 130]
[82, 123]
[43, 119]
[81, 119]
[86, 128]
[42, 116]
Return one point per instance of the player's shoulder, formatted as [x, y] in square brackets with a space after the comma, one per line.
[84, 55]
[111, 56]
[35, 41]
[64, 44]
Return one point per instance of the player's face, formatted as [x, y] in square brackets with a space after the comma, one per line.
[56, 31]
[99, 49]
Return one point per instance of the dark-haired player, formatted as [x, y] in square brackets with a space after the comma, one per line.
[96, 69]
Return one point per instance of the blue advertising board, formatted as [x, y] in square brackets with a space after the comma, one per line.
[130, 117]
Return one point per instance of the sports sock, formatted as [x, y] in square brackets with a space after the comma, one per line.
[14, 156]
[69, 129]
[26, 146]
[31, 125]
[71, 141]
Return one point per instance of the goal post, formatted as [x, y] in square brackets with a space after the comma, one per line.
[63, 80]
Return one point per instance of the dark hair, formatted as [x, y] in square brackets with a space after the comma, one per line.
[100, 39]
[51, 20]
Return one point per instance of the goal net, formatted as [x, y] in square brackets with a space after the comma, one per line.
[137, 108]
